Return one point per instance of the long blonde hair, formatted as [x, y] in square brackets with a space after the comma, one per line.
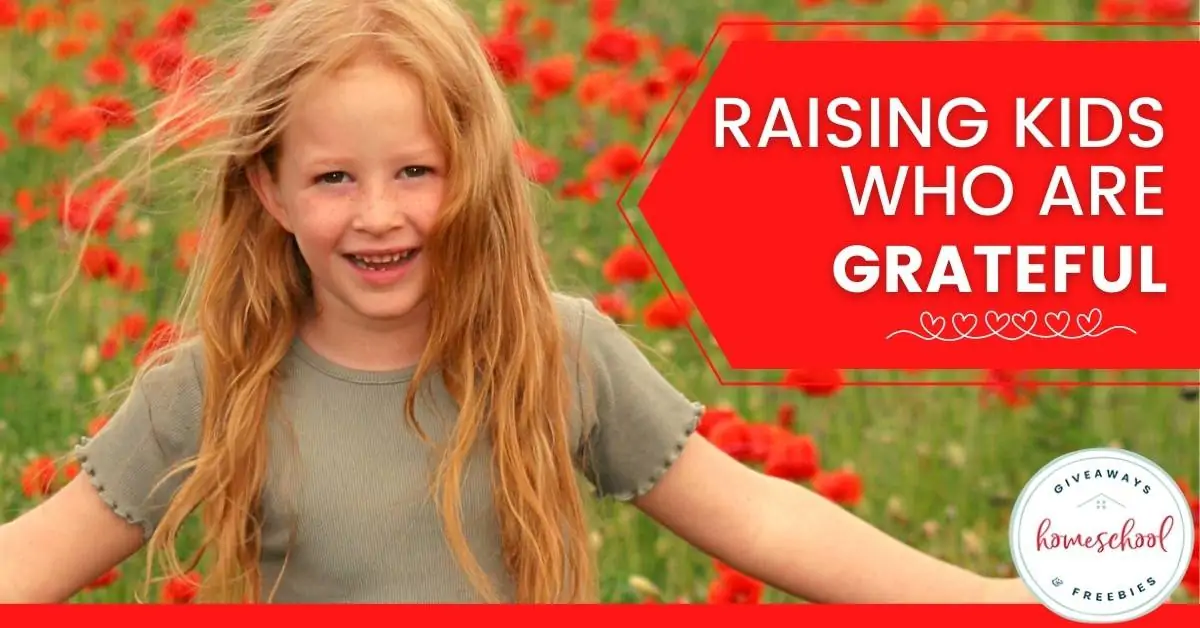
[495, 335]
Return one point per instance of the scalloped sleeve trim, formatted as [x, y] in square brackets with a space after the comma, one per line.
[645, 486]
[121, 510]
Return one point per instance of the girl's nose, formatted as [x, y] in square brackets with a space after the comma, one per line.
[379, 211]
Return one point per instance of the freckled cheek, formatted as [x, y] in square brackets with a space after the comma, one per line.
[424, 207]
[321, 221]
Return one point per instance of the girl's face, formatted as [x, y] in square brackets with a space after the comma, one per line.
[359, 183]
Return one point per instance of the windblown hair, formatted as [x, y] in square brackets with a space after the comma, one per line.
[494, 335]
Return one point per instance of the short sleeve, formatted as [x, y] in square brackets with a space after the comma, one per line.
[155, 428]
[636, 423]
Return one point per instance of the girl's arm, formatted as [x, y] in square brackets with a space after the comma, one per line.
[64, 544]
[53, 551]
[799, 542]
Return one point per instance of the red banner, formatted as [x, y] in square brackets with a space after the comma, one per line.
[954, 204]
[605, 616]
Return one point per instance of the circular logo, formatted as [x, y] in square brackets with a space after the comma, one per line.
[1102, 536]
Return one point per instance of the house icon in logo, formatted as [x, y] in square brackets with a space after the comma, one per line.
[1101, 502]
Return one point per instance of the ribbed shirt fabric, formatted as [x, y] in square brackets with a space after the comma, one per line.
[351, 480]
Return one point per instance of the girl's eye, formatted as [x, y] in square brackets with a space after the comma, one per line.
[412, 172]
[332, 178]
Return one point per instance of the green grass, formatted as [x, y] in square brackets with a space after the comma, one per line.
[940, 465]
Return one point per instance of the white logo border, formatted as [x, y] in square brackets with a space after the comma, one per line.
[1072, 614]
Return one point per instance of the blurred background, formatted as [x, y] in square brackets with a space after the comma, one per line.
[591, 79]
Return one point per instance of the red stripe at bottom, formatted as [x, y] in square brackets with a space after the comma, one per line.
[603, 616]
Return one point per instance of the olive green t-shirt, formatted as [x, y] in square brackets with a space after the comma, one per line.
[349, 477]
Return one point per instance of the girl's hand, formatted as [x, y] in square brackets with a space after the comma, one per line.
[1009, 591]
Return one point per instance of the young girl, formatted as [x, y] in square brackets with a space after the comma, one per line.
[384, 400]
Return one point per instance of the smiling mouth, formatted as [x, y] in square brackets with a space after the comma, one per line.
[382, 261]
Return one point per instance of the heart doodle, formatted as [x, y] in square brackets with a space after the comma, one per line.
[933, 325]
[1057, 322]
[959, 320]
[1025, 321]
[1090, 322]
[997, 322]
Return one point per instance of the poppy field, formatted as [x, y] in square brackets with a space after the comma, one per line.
[591, 80]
